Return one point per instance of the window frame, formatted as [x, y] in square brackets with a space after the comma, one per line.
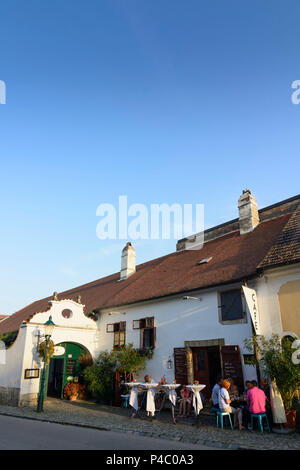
[244, 318]
[118, 329]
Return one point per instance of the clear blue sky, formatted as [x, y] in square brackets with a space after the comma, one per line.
[162, 101]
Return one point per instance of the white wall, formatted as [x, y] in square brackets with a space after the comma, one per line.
[267, 288]
[10, 372]
[23, 353]
[176, 321]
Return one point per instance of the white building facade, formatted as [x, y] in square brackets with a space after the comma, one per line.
[192, 314]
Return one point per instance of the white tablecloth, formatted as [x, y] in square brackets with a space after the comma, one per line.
[197, 402]
[150, 405]
[133, 400]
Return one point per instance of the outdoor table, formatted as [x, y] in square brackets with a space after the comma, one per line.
[172, 397]
[150, 404]
[197, 402]
[238, 401]
[133, 400]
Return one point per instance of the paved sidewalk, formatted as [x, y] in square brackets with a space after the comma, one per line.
[89, 414]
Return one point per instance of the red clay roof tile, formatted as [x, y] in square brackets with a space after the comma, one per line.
[234, 257]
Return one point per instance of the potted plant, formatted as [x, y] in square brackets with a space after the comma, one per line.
[275, 354]
[74, 391]
[42, 351]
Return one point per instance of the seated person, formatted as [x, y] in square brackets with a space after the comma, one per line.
[266, 388]
[233, 389]
[248, 384]
[184, 402]
[256, 399]
[214, 400]
[224, 404]
[161, 395]
[246, 412]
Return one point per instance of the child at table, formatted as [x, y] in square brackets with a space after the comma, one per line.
[184, 402]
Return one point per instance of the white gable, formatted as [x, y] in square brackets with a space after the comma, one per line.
[65, 313]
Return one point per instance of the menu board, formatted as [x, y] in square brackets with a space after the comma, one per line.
[71, 366]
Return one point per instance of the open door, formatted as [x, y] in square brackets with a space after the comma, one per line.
[201, 369]
[180, 366]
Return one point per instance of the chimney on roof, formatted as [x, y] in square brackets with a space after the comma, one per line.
[127, 261]
[248, 212]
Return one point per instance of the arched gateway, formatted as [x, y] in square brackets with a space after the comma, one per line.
[73, 334]
[64, 367]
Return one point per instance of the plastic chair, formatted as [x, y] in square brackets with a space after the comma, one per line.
[221, 414]
[125, 401]
[260, 417]
[213, 413]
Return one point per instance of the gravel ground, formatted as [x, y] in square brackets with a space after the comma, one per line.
[89, 414]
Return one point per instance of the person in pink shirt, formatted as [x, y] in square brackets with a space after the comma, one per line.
[256, 399]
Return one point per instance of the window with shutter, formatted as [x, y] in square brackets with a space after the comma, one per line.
[136, 324]
[147, 332]
[119, 331]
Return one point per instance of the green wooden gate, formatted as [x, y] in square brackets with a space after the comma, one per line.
[70, 369]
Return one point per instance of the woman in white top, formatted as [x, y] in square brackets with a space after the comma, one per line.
[224, 405]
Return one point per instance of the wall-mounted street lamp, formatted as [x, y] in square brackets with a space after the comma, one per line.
[48, 330]
[170, 363]
[188, 297]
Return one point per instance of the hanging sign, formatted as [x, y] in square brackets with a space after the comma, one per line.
[251, 299]
[59, 351]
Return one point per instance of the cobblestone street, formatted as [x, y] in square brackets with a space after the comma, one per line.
[109, 418]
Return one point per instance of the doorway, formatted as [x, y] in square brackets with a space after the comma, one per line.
[55, 378]
[64, 367]
[207, 367]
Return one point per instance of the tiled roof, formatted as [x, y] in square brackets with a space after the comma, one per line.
[234, 257]
[286, 249]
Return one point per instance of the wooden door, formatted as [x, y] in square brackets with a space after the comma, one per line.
[180, 366]
[201, 369]
[232, 365]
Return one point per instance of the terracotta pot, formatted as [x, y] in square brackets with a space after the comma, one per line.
[72, 398]
[291, 419]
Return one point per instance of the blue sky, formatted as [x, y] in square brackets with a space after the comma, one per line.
[170, 101]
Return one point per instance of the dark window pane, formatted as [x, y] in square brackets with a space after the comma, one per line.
[231, 304]
[148, 338]
[200, 360]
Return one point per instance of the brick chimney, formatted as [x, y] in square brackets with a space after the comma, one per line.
[127, 261]
[248, 212]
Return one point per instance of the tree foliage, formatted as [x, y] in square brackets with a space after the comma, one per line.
[100, 377]
[9, 338]
[129, 360]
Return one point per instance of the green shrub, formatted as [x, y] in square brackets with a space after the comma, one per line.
[8, 338]
[129, 360]
[100, 377]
